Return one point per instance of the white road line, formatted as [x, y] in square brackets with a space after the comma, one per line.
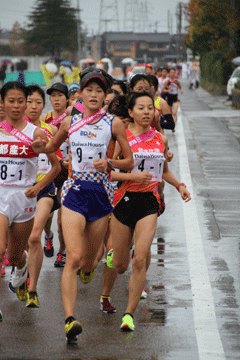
[208, 338]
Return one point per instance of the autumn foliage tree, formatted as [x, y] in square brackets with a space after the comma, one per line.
[213, 25]
[17, 39]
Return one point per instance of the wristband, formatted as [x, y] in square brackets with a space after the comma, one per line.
[180, 184]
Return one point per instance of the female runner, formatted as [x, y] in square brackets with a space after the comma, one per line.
[85, 196]
[170, 88]
[58, 93]
[137, 204]
[44, 189]
[20, 142]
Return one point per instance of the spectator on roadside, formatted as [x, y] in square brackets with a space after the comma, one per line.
[2, 75]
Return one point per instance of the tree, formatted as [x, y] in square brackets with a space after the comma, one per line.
[52, 27]
[17, 39]
[213, 25]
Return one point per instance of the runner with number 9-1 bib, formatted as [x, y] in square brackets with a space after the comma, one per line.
[86, 202]
[137, 202]
[20, 143]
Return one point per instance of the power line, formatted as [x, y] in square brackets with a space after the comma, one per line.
[108, 14]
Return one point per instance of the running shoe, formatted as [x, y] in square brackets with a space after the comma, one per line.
[11, 288]
[3, 273]
[109, 259]
[32, 300]
[61, 259]
[106, 306]
[5, 260]
[48, 246]
[143, 295]
[1, 317]
[127, 323]
[72, 329]
[86, 277]
[19, 276]
[22, 291]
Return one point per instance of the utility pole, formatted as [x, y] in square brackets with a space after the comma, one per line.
[179, 30]
[79, 35]
[108, 14]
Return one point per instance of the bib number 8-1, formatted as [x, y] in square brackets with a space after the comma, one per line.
[3, 173]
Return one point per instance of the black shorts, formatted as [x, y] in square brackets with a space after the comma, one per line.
[135, 206]
[171, 99]
[50, 191]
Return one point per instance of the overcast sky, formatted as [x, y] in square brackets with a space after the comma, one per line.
[17, 10]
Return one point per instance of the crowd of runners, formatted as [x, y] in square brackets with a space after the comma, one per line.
[100, 159]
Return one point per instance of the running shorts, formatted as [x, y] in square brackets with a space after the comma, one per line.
[135, 206]
[87, 198]
[15, 205]
[50, 191]
[171, 99]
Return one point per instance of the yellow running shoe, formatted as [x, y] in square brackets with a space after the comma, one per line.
[127, 323]
[109, 259]
[22, 291]
[72, 329]
[32, 300]
[86, 277]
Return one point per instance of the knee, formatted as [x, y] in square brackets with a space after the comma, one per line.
[120, 268]
[73, 259]
[139, 263]
[34, 240]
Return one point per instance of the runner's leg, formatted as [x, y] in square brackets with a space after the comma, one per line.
[35, 251]
[144, 233]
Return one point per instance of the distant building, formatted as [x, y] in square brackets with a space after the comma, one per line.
[143, 47]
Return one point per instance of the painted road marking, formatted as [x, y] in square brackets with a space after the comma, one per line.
[208, 338]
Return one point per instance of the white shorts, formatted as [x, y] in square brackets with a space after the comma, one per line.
[15, 205]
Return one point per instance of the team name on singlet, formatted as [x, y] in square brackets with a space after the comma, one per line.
[83, 150]
[148, 156]
[18, 161]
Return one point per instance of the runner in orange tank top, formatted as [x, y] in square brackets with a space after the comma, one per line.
[136, 202]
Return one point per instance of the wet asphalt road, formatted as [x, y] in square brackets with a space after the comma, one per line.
[192, 309]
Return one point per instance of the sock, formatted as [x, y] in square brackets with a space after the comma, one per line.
[128, 314]
[69, 319]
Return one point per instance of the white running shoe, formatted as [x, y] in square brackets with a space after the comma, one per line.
[19, 276]
[143, 295]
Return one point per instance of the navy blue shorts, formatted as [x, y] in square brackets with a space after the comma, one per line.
[50, 191]
[87, 198]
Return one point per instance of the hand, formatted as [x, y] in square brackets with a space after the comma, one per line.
[32, 192]
[169, 156]
[100, 165]
[143, 177]
[181, 91]
[185, 194]
[39, 145]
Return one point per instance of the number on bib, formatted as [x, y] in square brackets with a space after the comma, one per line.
[3, 172]
[79, 154]
[141, 165]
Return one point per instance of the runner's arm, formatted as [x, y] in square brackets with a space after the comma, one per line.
[60, 136]
[171, 179]
[50, 176]
[142, 177]
[119, 133]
